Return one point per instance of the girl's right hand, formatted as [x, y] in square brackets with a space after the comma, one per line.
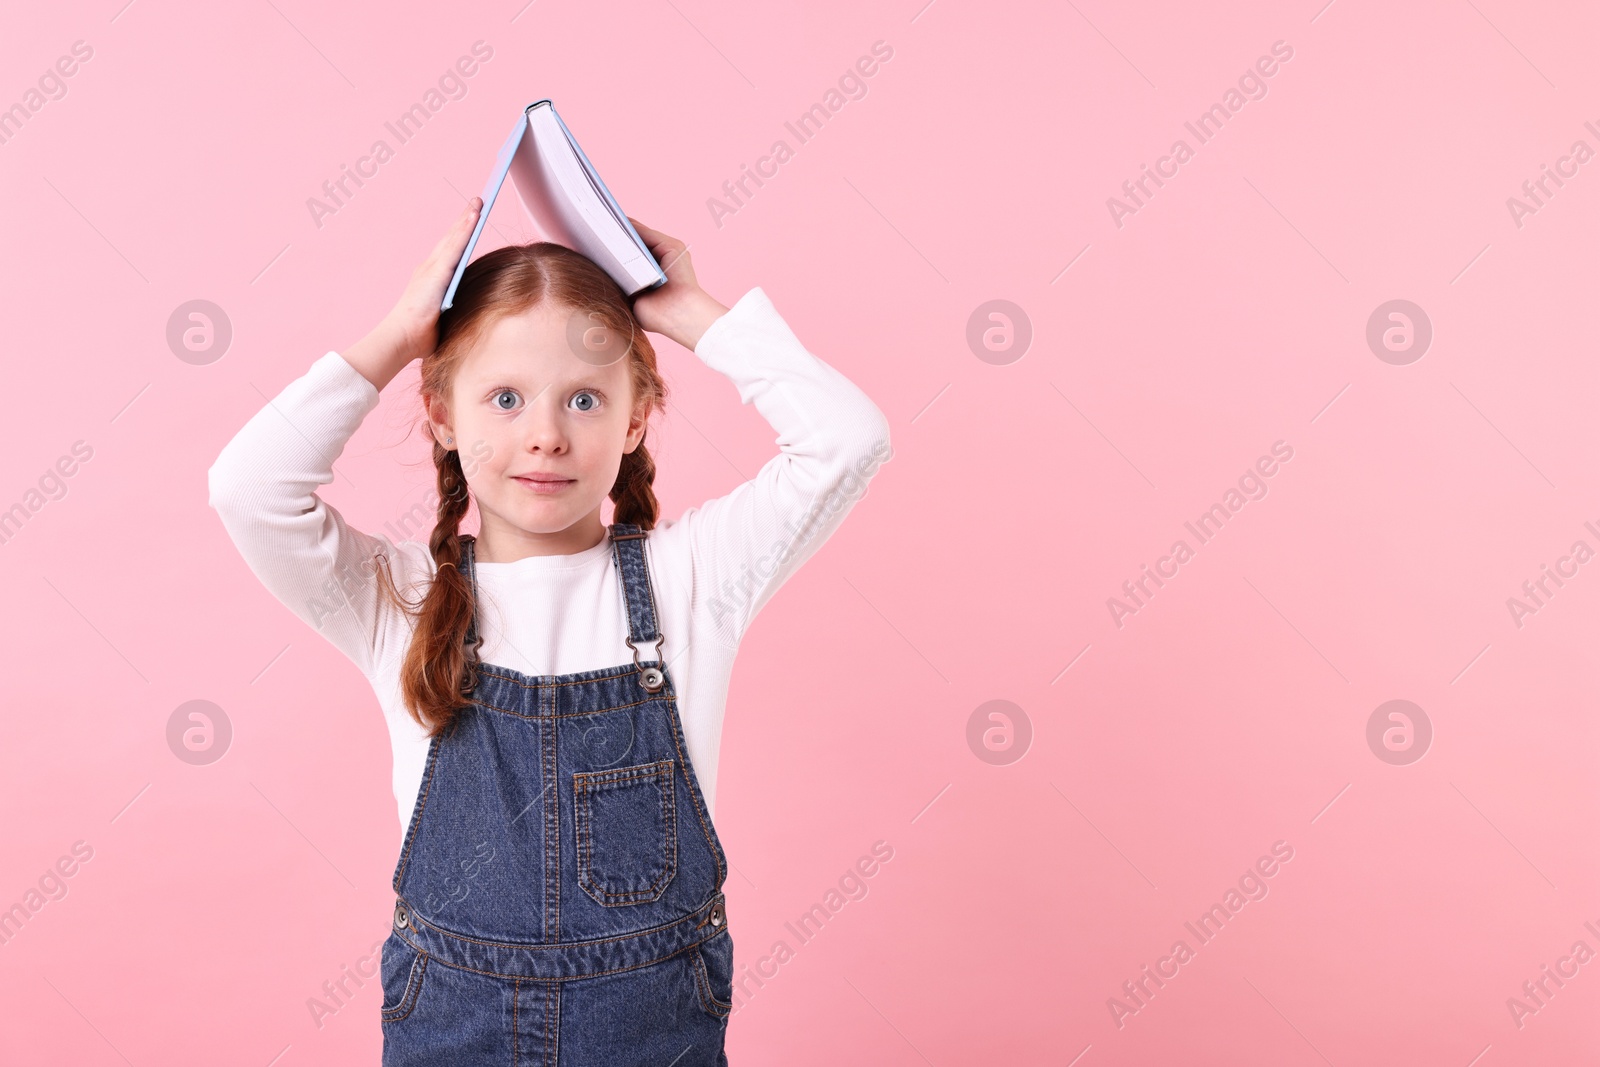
[409, 330]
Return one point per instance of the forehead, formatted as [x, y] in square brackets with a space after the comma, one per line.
[537, 344]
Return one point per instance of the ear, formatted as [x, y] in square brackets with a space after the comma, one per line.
[637, 424]
[439, 421]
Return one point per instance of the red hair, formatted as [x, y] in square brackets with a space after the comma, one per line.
[437, 676]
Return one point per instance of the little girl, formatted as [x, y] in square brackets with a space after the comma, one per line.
[559, 884]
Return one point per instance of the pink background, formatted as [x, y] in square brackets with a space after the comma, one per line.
[1227, 314]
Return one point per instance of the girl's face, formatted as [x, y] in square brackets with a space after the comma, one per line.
[526, 408]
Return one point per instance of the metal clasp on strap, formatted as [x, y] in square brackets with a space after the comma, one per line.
[651, 678]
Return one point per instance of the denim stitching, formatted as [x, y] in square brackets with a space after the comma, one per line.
[669, 822]
[581, 787]
[605, 675]
[552, 1021]
[524, 946]
[416, 816]
[549, 785]
[574, 977]
[629, 559]
[708, 997]
[650, 592]
[413, 990]
[694, 802]
[566, 714]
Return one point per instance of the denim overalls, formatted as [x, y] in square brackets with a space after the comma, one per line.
[560, 888]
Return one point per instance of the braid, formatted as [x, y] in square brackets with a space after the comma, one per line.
[439, 671]
[633, 495]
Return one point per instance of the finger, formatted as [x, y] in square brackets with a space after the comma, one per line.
[456, 239]
[653, 237]
[667, 252]
[671, 257]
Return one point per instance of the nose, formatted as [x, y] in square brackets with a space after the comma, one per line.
[542, 425]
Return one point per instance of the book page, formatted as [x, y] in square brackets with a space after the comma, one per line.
[563, 202]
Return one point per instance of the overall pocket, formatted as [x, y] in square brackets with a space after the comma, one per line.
[401, 969]
[713, 974]
[627, 832]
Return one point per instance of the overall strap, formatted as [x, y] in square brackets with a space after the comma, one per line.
[468, 543]
[473, 641]
[627, 543]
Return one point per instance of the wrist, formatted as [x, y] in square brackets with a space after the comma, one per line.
[691, 321]
[383, 353]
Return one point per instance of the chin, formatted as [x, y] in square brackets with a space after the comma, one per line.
[549, 517]
[545, 520]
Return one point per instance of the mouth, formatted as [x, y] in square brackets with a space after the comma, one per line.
[544, 483]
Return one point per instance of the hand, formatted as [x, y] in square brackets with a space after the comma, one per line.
[680, 309]
[409, 330]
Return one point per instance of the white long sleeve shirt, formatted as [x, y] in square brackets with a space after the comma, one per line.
[714, 568]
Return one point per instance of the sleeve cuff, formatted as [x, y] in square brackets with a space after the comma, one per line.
[751, 305]
[340, 374]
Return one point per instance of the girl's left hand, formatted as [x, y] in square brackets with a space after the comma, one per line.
[680, 309]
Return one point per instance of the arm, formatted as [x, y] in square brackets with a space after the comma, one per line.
[263, 484]
[831, 437]
[263, 487]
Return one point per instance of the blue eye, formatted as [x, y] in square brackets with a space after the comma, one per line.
[501, 393]
[589, 393]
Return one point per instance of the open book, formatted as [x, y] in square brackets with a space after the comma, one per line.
[566, 200]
